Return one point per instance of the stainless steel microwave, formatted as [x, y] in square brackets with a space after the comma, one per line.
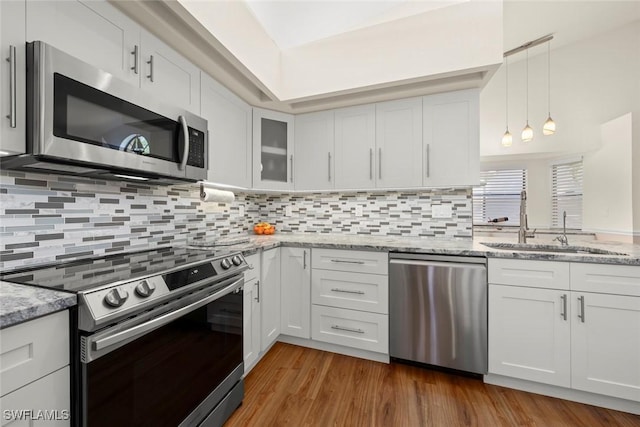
[84, 121]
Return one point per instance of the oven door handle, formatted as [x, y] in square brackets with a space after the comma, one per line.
[159, 321]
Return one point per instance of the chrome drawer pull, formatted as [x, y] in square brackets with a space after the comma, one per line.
[344, 261]
[563, 314]
[581, 314]
[347, 291]
[342, 328]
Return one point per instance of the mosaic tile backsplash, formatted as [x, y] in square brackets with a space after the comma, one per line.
[46, 218]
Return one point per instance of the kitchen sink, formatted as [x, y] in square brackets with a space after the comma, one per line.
[552, 248]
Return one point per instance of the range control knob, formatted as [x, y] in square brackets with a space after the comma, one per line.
[236, 260]
[225, 264]
[116, 297]
[144, 289]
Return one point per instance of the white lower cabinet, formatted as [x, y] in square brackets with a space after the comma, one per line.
[295, 292]
[581, 337]
[350, 328]
[34, 373]
[605, 344]
[350, 299]
[270, 297]
[251, 323]
[529, 335]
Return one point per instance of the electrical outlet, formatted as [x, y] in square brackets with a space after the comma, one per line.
[288, 210]
[441, 211]
[241, 210]
[357, 211]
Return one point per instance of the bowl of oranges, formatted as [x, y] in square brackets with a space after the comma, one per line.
[264, 228]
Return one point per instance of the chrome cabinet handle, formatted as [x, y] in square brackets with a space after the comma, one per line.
[329, 166]
[291, 161]
[185, 132]
[12, 86]
[563, 313]
[257, 298]
[428, 161]
[135, 59]
[371, 164]
[304, 260]
[346, 291]
[344, 261]
[150, 62]
[379, 163]
[581, 313]
[342, 328]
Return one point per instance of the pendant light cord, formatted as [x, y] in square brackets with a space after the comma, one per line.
[527, 86]
[506, 65]
[549, 77]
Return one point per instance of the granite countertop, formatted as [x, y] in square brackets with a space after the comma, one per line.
[20, 303]
[459, 247]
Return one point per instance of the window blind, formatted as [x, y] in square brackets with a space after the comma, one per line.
[566, 194]
[499, 196]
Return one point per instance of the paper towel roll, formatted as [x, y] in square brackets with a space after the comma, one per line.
[219, 196]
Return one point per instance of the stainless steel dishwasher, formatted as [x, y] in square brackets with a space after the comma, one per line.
[438, 310]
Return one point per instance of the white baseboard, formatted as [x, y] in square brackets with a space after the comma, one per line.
[565, 393]
[335, 348]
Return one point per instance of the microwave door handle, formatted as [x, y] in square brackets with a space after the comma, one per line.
[185, 135]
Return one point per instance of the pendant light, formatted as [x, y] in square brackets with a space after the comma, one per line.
[507, 139]
[549, 127]
[527, 132]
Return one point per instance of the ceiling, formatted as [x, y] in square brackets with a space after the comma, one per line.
[247, 44]
[295, 23]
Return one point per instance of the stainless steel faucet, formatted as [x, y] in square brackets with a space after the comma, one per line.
[564, 241]
[524, 232]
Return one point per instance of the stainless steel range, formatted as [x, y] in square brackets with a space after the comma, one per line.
[158, 335]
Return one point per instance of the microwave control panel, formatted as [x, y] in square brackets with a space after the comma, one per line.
[196, 148]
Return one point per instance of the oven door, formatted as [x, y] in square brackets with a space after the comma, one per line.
[169, 370]
[81, 114]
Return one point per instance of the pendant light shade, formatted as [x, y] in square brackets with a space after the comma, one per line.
[507, 139]
[549, 127]
[527, 132]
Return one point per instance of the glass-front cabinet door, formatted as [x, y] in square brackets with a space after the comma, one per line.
[272, 150]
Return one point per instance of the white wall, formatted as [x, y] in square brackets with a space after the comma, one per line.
[608, 198]
[593, 82]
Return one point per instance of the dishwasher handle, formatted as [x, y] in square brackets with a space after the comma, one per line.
[395, 256]
[449, 264]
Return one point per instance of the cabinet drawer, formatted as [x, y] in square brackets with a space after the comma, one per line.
[254, 267]
[31, 350]
[608, 279]
[534, 274]
[358, 291]
[346, 260]
[51, 394]
[357, 329]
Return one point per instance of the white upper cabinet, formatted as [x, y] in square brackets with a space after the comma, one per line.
[314, 165]
[99, 34]
[355, 140]
[12, 77]
[229, 123]
[399, 143]
[273, 160]
[93, 31]
[451, 139]
[168, 75]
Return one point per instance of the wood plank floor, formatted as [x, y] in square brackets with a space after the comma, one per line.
[296, 386]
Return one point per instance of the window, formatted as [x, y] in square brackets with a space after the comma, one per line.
[499, 196]
[566, 194]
